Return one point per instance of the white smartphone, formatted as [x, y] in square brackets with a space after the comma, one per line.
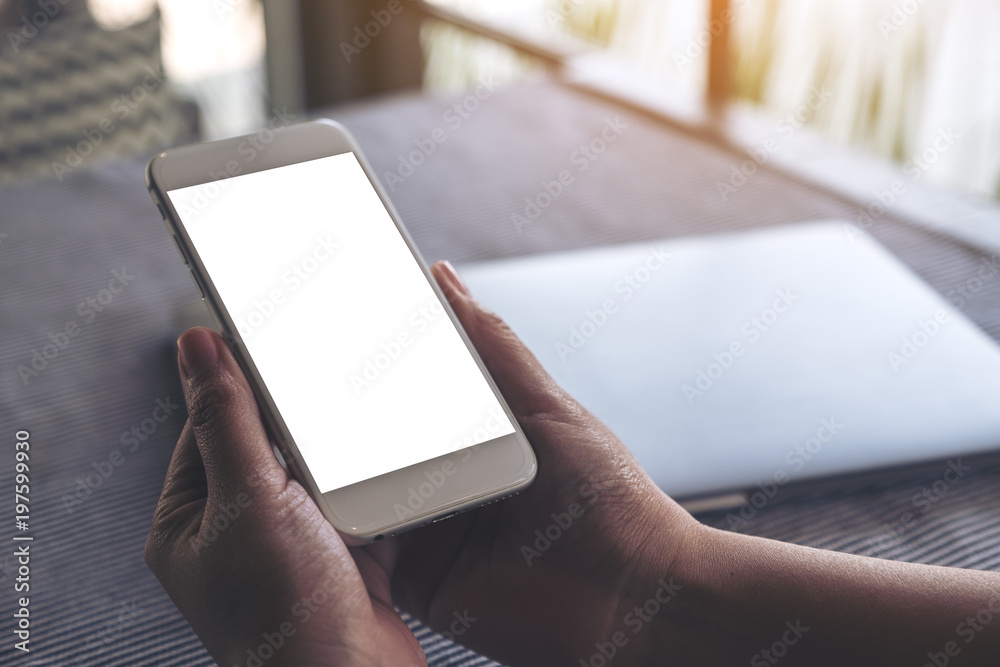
[370, 388]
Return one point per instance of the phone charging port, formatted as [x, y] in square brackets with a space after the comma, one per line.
[446, 516]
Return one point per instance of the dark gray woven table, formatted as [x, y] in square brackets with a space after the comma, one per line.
[93, 600]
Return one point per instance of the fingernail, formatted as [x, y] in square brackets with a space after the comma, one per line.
[197, 351]
[454, 278]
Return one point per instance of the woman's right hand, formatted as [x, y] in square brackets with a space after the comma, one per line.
[550, 575]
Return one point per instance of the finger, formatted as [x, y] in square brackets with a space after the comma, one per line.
[564, 435]
[225, 419]
[181, 503]
[185, 481]
[527, 387]
[376, 563]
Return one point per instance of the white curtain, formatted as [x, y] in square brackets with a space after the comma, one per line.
[900, 72]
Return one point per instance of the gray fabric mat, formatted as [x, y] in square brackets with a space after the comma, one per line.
[63, 241]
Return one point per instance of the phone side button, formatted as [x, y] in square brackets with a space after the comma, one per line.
[196, 283]
[179, 251]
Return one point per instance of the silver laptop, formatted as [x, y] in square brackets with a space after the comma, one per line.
[755, 360]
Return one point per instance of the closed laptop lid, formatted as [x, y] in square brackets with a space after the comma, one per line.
[787, 354]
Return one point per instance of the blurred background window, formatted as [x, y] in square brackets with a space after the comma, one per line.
[895, 74]
[84, 81]
[213, 53]
[899, 72]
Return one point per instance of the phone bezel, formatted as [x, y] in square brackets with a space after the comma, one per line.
[361, 511]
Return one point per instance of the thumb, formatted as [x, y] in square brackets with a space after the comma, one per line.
[527, 387]
[570, 443]
[225, 419]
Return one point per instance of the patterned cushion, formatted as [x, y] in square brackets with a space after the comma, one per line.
[72, 93]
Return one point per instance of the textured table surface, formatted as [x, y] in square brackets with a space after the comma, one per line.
[93, 600]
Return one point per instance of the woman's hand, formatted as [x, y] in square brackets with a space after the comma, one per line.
[591, 562]
[546, 576]
[245, 553]
[257, 570]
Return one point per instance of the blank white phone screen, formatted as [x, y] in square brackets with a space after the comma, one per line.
[365, 367]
